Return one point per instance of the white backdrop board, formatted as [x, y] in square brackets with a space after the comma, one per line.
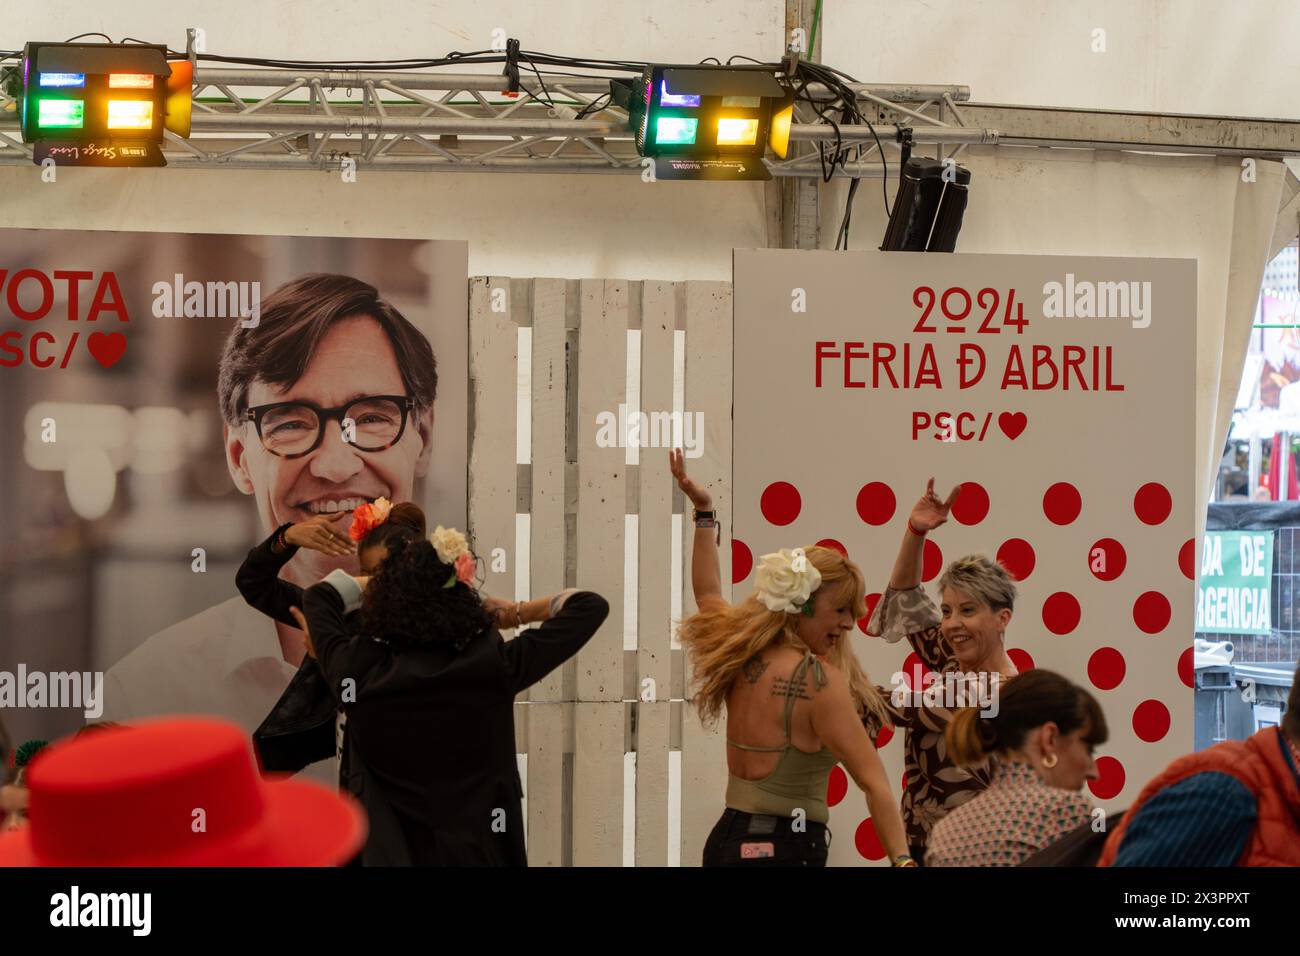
[1074, 447]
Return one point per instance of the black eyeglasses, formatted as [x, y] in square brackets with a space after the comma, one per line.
[294, 429]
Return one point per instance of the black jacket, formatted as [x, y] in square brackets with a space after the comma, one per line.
[300, 729]
[430, 746]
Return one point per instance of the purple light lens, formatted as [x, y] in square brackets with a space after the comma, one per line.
[679, 99]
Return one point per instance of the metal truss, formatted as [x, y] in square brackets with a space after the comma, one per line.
[247, 118]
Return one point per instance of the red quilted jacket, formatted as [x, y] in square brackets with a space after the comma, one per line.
[1261, 765]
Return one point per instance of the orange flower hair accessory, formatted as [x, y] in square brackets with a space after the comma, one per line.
[368, 517]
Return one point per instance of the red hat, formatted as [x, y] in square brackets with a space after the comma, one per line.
[176, 791]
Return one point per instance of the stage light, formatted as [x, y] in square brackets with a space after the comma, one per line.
[130, 81]
[63, 79]
[102, 104]
[672, 130]
[928, 208]
[130, 114]
[782, 120]
[737, 132]
[706, 122]
[61, 114]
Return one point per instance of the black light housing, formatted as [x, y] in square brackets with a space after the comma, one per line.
[928, 208]
[102, 104]
[707, 122]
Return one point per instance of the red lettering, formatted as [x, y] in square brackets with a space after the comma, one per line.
[103, 303]
[6, 346]
[853, 350]
[47, 295]
[1043, 357]
[920, 422]
[31, 348]
[1014, 375]
[965, 358]
[73, 278]
[822, 353]
[884, 352]
[928, 372]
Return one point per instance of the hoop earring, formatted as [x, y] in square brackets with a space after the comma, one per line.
[1049, 761]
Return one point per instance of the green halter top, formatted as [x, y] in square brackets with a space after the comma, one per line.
[799, 779]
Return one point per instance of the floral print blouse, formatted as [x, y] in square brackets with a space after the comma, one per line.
[1018, 815]
[935, 786]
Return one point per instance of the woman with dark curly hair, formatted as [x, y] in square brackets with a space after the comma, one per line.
[428, 686]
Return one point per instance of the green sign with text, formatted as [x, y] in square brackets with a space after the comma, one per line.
[1232, 596]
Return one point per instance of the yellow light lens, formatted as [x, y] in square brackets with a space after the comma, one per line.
[130, 114]
[737, 132]
[130, 81]
[778, 136]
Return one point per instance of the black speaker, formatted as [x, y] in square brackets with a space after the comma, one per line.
[928, 208]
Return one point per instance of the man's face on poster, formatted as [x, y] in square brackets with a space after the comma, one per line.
[355, 359]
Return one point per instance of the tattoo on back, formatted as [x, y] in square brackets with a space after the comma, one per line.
[754, 668]
[782, 686]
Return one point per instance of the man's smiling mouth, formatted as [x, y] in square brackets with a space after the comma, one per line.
[334, 504]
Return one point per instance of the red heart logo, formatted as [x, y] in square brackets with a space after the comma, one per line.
[1012, 424]
[107, 347]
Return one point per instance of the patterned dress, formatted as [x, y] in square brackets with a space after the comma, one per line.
[1018, 815]
[935, 785]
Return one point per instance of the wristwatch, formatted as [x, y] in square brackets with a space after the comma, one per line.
[707, 519]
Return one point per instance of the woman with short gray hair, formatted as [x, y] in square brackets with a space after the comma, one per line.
[963, 641]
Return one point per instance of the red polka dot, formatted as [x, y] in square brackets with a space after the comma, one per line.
[915, 673]
[903, 783]
[780, 503]
[885, 736]
[837, 786]
[1187, 667]
[1151, 720]
[1106, 668]
[1110, 778]
[742, 560]
[1151, 612]
[1062, 503]
[876, 503]
[1061, 612]
[1021, 659]
[1152, 503]
[867, 842]
[1017, 556]
[872, 601]
[931, 561]
[1187, 559]
[972, 504]
[832, 543]
[1107, 559]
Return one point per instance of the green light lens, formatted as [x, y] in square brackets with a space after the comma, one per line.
[675, 131]
[66, 114]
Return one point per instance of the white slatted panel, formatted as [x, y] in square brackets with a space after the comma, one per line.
[577, 717]
[654, 587]
[602, 506]
[708, 390]
[546, 715]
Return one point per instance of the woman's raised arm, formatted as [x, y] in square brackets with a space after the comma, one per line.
[706, 571]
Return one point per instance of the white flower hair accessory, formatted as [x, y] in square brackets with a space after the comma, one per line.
[786, 580]
[453, 549]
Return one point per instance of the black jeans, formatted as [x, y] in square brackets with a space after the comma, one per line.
[749, 839]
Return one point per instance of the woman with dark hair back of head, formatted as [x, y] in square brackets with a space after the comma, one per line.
[428, 686]
[1040, 730]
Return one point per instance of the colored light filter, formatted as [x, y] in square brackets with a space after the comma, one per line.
[676, 99]
[62, 79]
[130, 114]
[62, 114]
[734, 131]
[675, 131]
[130, 81]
